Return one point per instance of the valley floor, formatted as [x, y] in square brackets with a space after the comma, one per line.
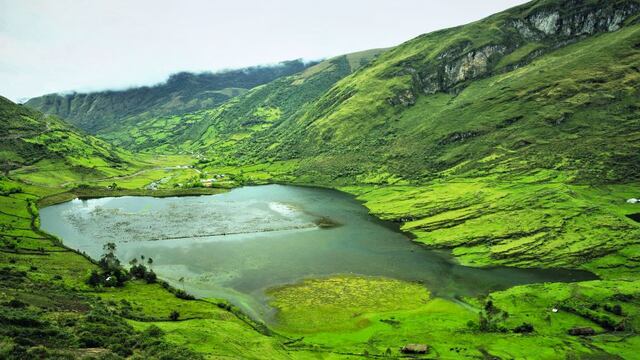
[527, 223]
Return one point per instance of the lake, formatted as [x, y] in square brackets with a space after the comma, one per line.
[237, 244]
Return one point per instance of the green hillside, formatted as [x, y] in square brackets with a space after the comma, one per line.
[447, 99]
[32, 140]
[512, 140]
[252, 112]
[107, 111]
[47, 309]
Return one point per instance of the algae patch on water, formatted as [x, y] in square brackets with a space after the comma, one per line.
[342, 302]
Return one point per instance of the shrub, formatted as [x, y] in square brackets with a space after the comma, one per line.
[94, 279]
[623, 297]
[16, 304]
[491, 318]
[615, 309]
[181, 294]
[153, 331]
[524, 328]
[174, 315]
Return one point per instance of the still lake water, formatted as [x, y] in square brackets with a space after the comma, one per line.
[237, 244]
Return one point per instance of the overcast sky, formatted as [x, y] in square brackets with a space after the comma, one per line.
[64, 45]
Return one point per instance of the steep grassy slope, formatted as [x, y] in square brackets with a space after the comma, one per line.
[107, 111]
[426, 106]
[28, 138]
[524, 157]
[499, 162]
[253, 112]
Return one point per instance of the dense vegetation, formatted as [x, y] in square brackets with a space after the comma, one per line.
[511, 141]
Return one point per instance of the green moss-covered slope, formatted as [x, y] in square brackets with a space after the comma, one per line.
[47, 309]
[514, 140]
[256, 111]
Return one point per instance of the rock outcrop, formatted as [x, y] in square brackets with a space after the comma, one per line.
[552, 24]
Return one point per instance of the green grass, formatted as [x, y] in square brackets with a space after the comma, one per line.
[517, 224]
[50, 279]
[304, 308]
[115, 113]
[442, 324]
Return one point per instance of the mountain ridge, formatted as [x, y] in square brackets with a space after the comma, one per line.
[180, 93]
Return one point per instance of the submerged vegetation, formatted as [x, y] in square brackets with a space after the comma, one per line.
[510, 141]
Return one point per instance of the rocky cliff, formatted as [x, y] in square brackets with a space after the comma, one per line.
[549, 25]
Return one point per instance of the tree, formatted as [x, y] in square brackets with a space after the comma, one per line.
[133, 262]
[150, 277]
[109, 261]
[109, 247]
[181, 281]
[524, 328]
[174, 315]
[138, 271]
[150, 261]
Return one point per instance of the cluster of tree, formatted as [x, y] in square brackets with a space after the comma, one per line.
[193, 182]
[491, 319]
[112, 274]
[139, 271]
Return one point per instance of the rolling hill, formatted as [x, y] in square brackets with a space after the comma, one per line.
[47, 309]
[30, 139]
[505, 91]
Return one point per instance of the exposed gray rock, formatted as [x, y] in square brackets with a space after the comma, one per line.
[472, 64]
[458, 136]
[547, 22]
[404, 98]
[415, 349]
[553, 26]
[524, 30]
[582, 331]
